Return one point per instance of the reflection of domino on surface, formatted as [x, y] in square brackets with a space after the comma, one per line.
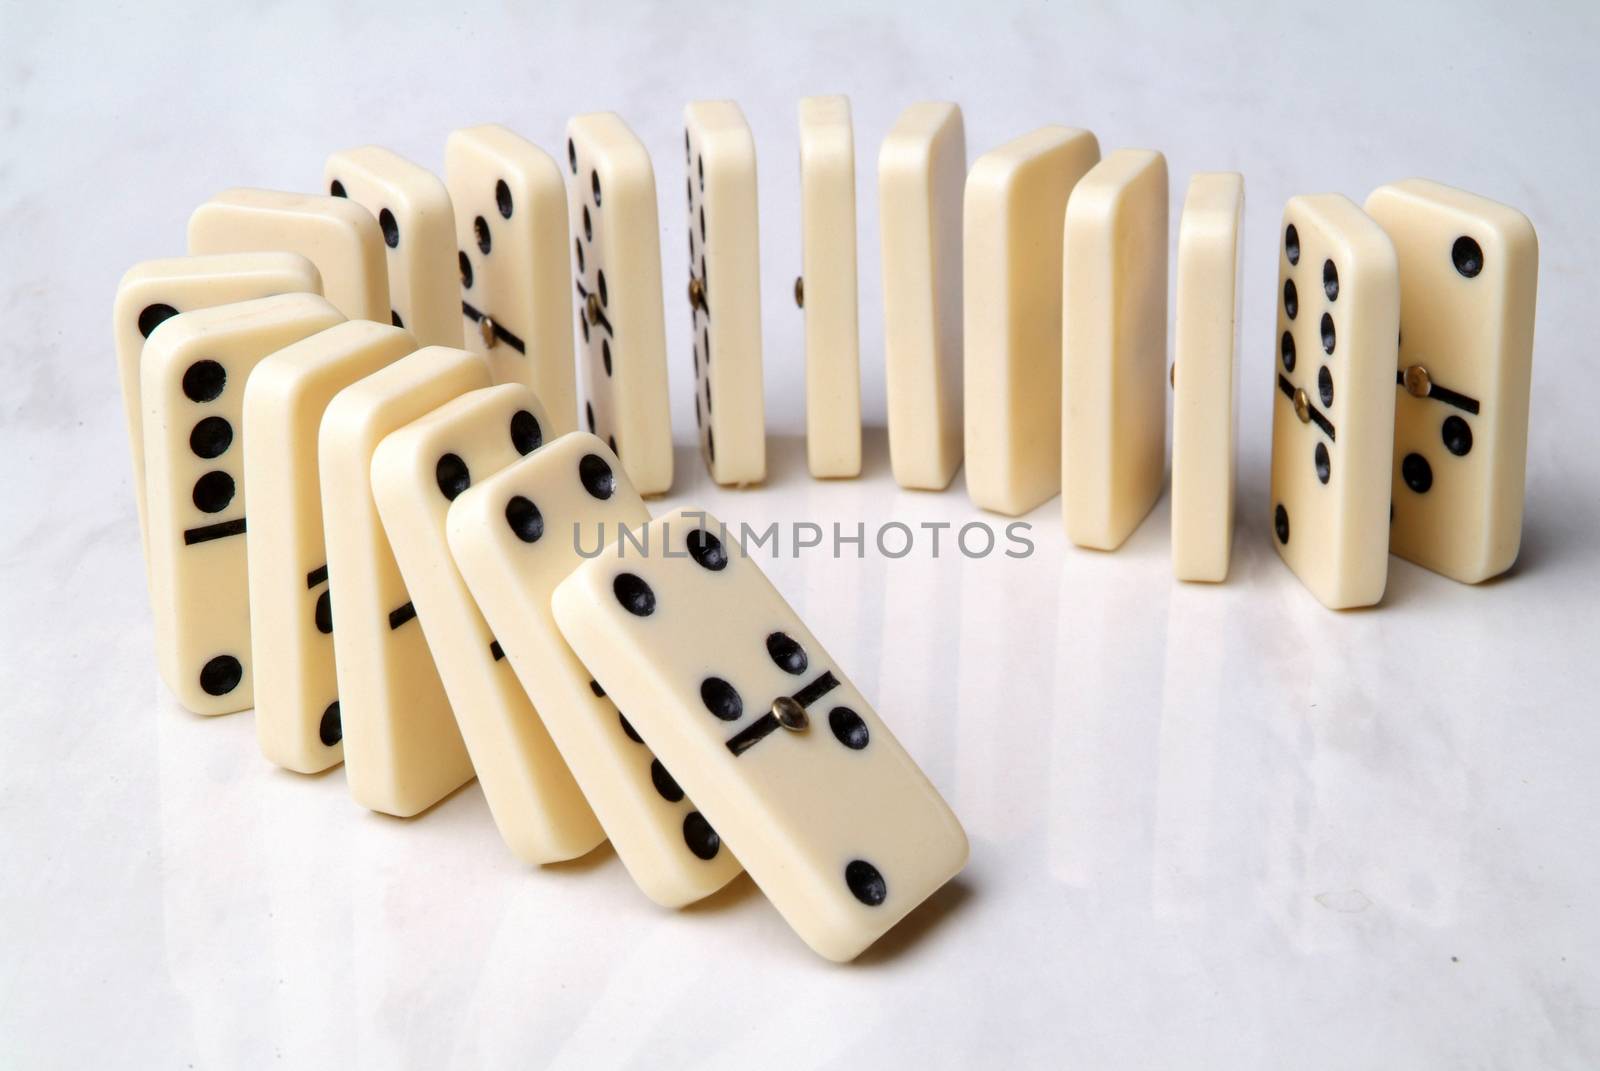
[788, 761]
[922, 168]
[1204, 383]
[1013, 212]
[1114, 348]
[826, 289]
[515, 535]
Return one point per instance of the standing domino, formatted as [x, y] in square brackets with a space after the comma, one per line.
[402, 750]
[1015, 204]
[291, 610]
[415, 218]
[515, 536]
[417, 471]
[828, 813]
[1114, 348]
[157, 290]
[511, 235]
[340, 237]
[1333, 419]
[826, 289]
[725, 319]
[192, 386]
[921, 169]
[1469, 274]
[1204, 387]
[611, 205]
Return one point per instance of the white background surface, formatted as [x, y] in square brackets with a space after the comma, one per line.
[1211, 826]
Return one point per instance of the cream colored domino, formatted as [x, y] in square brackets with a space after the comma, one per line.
[340, 237]
[725, 291]
[1015, 203]
[291, 606]
[826, 289]
[1204, 380]
[616, 248]
[192, 386]
[922, 167]
[515, 536]
[155, 291]
[417, 223]
[1469, 276]
[1114, 348]
[416, 472]
[782, 754]
[511, 234]
[1333, 408]
[402, 750]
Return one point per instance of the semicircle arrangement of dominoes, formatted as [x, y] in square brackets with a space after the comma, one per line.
[428, 391]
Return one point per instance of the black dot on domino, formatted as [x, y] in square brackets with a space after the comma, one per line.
[628, 729]
[1280, 523]
[323, 614]
[588, 225]
[588, 415]
[525, 519]
[153, 316]
[665, 785]
[721, 698]
[1327, 334]
[1286, 348]
[481, 235]
[394, 318]
[466, 269]
[707, 550]
[711, 439]
[703, 227]
[700, 837]
[1323, 462]
[336, 188]
[1325, 386]
[1291, 244]
[705, 342]
[1467, 255]
[1330, 280]
[700, 166]
[600, 285]
[204, 381]
[1417, 473]
[848, 728]
[594, 186]
[687, 152]
[572, 156]
[1457, 435]
[213, 492]
[785, 653]
[605, 354]
[451, 474]
[526, 434]
[865, 883]
[577, 248]
[502, 198]
[1291, 299]
[221, 675]
[583, 325]
[599, 692]
[634, 594]
[390, 228]
[211, 437]
[330, 730]
[596, 476]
